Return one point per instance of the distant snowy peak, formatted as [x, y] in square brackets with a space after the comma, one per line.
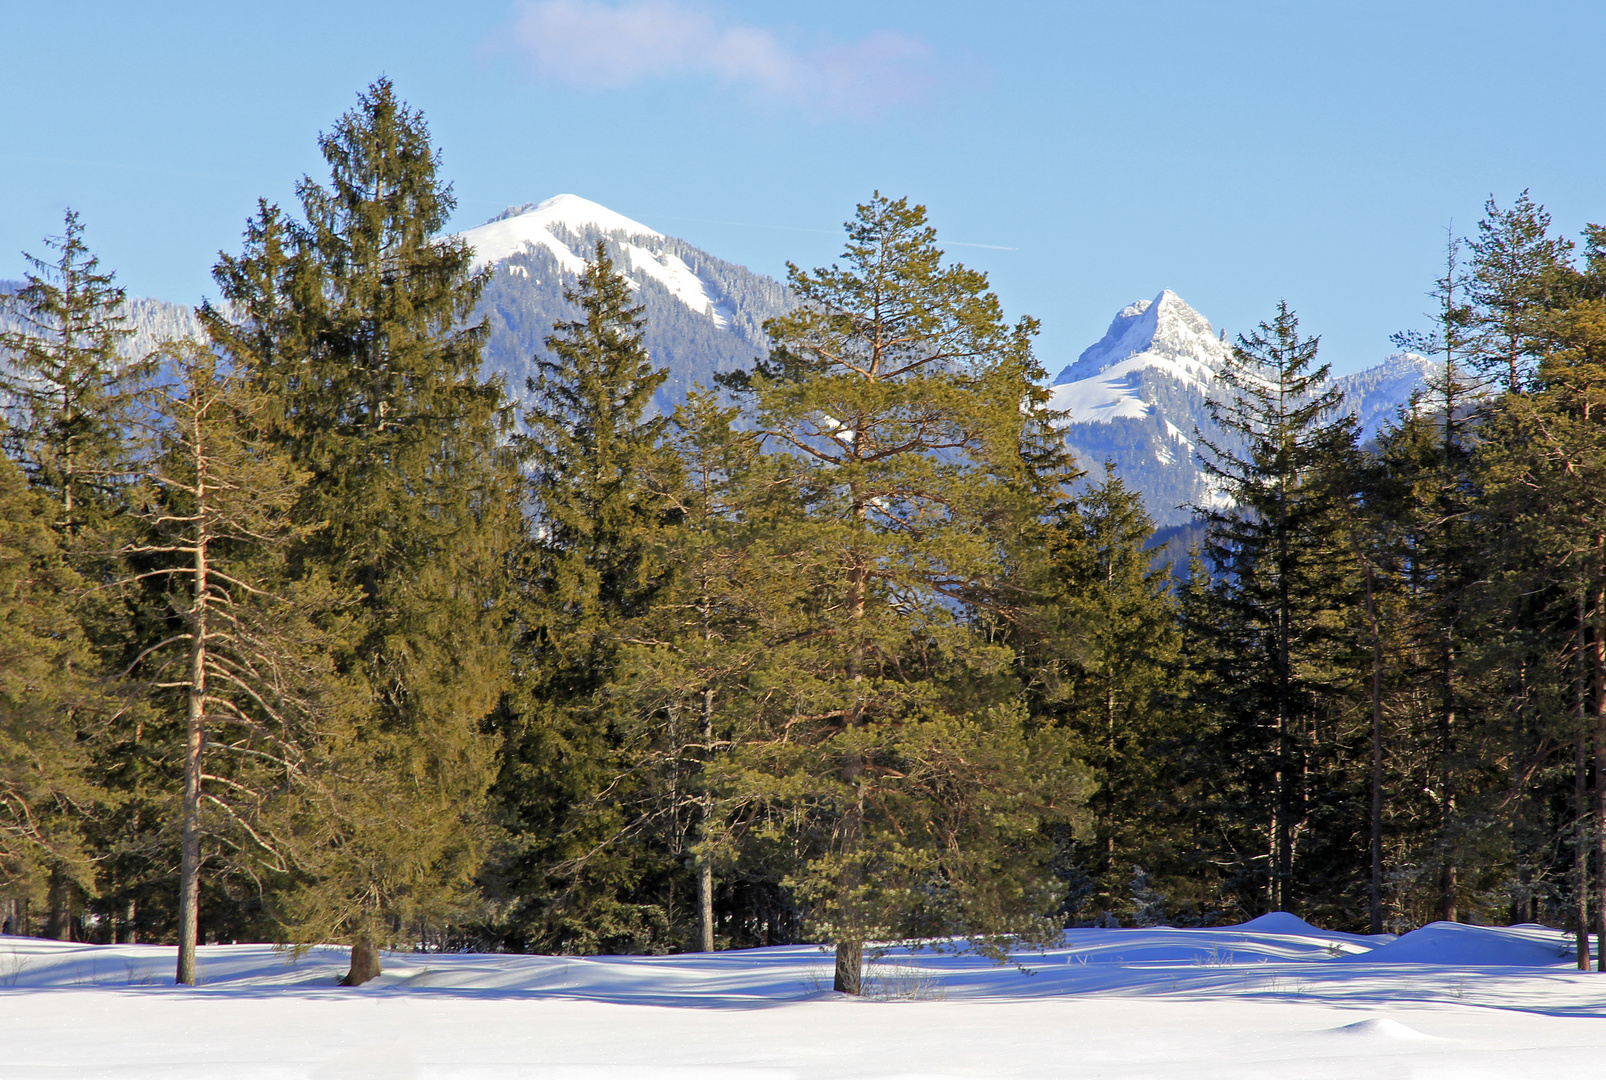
[1163, 337]
[1166, 327]
[523, 228]
[1138, 395]
[556, 225]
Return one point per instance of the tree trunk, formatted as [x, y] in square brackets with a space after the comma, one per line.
[1597, 705]
[705, 862]
[849, 968]
[1580, 804]
[705, 904]
[1375, 905]
[59, 921]
[1447, 823]
[1283, 865]
[850, 950]
[189, 875]
[365, 964]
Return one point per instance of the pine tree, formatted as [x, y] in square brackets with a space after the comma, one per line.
[1280, 581]
[1517, 270]
[243, 658]
[579, 860]
[354, 324]
[1540, 519]
[891, 746]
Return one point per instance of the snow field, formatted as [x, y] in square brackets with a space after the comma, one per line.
[1275, 997]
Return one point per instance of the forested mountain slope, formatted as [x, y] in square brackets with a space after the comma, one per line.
[152, 320]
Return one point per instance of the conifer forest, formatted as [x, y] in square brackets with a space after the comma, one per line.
[313, 630]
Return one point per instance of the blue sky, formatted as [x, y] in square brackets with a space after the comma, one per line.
[1094, 153]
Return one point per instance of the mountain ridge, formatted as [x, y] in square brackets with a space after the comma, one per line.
[1136, 397]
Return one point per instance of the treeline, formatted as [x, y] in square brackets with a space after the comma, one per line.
[308, 633]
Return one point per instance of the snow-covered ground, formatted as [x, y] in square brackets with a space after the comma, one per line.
[1271, 998]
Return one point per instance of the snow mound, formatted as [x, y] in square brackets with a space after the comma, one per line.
[1473, 946]
[1379, 1027]
[1281, 922]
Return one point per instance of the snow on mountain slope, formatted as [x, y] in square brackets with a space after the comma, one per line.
[1160, 338]
[680, 279]
[152, 321]
[1136, 397]
[557, 227]
[1376, 394]
[1175, 338]
[523, 228]
[703, 315]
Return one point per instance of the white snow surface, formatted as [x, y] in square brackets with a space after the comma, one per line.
[1275, 997]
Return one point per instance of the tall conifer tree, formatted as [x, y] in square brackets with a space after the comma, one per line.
[583, 874]
[354, 323]
[1104, 663]
[1428, 463]
[1518, 276]
[68, 388]
[243, 663]
[69, 392]
[46, 687]
[1279, 577]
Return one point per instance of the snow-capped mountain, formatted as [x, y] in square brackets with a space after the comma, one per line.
[1137, 398]
[704, 315]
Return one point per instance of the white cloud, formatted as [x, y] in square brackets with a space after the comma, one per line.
[595, 44]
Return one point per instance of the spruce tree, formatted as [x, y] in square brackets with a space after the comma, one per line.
[1104, 666]
[66, 385]
[69, 395]
[1279, 583]
[891, 746]
[579, 865]
[1428, 464]
[686, 689]
[46, 688]
[353, 323]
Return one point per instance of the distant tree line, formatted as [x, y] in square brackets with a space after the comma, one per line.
[306, 634]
